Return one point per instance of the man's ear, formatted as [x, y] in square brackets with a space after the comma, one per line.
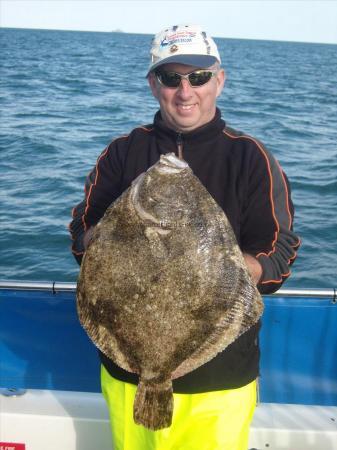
[153, 84]
[220, 78]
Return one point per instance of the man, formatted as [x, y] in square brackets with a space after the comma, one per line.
[214, 404]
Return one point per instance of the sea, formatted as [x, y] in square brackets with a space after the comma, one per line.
[65, 95]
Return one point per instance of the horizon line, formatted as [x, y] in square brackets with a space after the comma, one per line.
[120, 31]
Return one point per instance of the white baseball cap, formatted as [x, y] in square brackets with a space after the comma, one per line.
[184, 44]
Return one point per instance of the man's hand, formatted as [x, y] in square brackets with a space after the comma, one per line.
[254, 267]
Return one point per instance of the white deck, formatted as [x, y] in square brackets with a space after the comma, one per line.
[57, 420]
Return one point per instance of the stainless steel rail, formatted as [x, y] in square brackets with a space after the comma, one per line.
[54, 286]
[58, 286]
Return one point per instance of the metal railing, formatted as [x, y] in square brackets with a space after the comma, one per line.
[57, 286]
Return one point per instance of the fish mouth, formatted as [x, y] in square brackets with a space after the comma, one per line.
[170, 163]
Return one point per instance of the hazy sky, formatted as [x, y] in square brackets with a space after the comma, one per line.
[291, 20]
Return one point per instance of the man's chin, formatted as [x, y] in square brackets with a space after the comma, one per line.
[185, 126]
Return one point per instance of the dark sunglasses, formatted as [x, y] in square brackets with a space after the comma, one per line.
[173, 79]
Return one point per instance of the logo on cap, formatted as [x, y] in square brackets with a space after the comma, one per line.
[173, 49]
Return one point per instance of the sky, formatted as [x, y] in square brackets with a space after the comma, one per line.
[284, 20]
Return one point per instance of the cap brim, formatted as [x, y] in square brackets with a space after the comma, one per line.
[200, 61]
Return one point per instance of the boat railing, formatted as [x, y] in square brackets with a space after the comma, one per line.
[58, 286]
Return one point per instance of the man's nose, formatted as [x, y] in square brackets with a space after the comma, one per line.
[185, 88]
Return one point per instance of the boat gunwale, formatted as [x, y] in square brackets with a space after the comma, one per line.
[59, 286]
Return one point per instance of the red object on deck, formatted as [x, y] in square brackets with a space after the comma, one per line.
[12, 446]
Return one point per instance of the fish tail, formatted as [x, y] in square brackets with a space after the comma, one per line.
[153, 406]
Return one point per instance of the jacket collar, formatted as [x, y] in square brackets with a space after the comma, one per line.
[168, 138]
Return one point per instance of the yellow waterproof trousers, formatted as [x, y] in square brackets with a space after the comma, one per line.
[217, 420]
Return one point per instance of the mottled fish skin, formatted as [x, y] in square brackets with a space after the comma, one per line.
[163, 285]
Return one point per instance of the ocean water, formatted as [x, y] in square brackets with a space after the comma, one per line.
[65, 95]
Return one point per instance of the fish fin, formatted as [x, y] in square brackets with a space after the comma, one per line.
[153, 405]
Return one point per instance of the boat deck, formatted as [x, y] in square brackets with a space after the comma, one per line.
[57, 420]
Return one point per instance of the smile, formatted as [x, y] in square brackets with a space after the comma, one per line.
[186, 107]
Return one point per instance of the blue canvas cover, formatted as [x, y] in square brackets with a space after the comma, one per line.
[42, 346]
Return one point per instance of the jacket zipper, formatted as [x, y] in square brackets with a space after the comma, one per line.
[180, 145]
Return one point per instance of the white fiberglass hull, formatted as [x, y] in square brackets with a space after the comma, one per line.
[62, 420]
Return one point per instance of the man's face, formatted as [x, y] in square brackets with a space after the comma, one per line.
[186, 108]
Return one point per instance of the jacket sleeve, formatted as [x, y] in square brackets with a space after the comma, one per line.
[102, 187]
[267, 228]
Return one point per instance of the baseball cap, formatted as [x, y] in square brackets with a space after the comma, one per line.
[184, 44]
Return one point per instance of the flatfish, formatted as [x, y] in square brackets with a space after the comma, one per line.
[163, 286]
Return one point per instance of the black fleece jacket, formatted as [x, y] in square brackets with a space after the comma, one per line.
[249, 185]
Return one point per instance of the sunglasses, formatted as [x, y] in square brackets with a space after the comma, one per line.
[196, 78]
